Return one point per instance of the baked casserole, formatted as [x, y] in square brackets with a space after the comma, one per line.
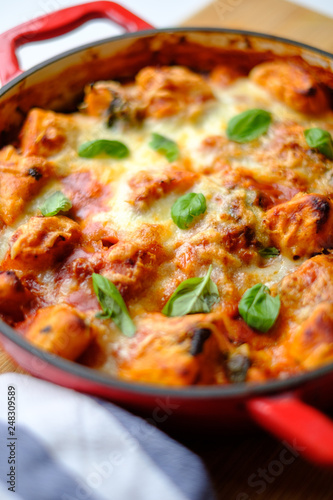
[176, 229]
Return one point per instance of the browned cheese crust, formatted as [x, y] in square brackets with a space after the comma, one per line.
[272, 191]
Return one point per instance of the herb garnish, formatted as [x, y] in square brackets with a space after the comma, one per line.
[194, 295]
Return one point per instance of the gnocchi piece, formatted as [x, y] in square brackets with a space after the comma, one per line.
[312, 344]
[302, 226]
[42, 241]
[13, 295]
[175, 352]
[292, 84]
[60, 330]
[305, 288]
[131, 264]
[167, 91]
[147, 187]
[21, 178]
[44, 133]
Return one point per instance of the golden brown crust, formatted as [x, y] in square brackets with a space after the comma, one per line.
[131, 264]
[290, 158]
[42, 241]
[303, 226]
[312, 343]
[309, 285]
[160, 92]
[165, 351]
[13, 295]
[44, 133]
[60, 330]
[167, 91]
[148, 187]
[20, 179]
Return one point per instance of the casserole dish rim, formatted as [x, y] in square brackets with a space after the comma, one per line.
[170, 30]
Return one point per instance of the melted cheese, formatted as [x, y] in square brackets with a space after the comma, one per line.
[188, 134]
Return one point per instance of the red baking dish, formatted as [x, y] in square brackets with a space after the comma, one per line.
[280, 406]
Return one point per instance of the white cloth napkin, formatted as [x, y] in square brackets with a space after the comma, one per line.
[70, 446]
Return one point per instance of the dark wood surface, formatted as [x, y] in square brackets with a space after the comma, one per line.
[258, 467]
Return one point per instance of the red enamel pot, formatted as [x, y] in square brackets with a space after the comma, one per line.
[280, 406]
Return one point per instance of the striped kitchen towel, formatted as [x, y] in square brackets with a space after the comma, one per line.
[58, 444]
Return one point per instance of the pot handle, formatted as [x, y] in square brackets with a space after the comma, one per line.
[303, 428]
[57, 23]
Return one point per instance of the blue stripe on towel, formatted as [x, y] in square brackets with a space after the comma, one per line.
[183, 467]
[39, 476]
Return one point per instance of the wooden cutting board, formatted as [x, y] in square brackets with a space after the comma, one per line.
[249, 467]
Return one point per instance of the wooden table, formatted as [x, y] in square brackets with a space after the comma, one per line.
[248, 467]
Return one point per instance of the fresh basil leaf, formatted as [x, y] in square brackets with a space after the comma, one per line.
[113, 304]
[258, 308]
[165, 146]
[186, 208]
[114, 149]
[248, 125]
[268, 252]
[56, 203]
[194, 295]
[320, 139]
